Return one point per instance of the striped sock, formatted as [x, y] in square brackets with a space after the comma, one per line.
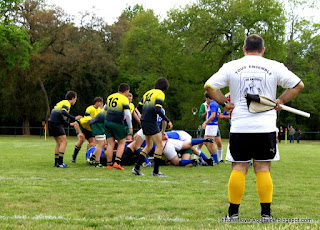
[61, 158]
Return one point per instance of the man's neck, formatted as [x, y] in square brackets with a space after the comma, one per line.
[253, 54]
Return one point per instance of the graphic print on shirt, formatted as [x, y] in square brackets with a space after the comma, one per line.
[252, 83]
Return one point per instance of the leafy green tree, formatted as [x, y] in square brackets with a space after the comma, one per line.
[192, 44]
[14, 44]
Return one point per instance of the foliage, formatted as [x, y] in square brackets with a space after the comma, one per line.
[14, 44]
[191, 44]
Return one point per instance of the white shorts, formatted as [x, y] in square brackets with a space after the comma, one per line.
[177, 144]
[169, 150]
[100, 137]
[140, 134]
[184, 136]
[211, 130]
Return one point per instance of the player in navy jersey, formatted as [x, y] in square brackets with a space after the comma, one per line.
[150, 106]
[59, 115]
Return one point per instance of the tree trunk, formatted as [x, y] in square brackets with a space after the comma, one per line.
[26, 126]
[46, 99]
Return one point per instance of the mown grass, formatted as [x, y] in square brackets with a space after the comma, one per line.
[35, 195]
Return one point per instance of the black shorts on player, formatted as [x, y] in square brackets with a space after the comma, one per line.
[55, 129]
[150, 128]
[256, 146]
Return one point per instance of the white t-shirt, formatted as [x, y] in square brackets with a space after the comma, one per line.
[254, 75]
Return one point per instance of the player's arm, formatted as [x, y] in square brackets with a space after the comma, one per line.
[158, 109]
[139, 106]
[77, 127]
[212, 116]
[289, 94]
[136, 116]
[216, 95]
[163, 116]
[163, 126]
[224, 115]
[136, 111]
[68, 115]
[127, 115]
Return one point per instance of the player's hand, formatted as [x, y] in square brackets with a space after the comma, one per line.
[74, 124]
[204, 125]
[81, 136]
[130, 131]
[164, 136]
[229, 107]
[170, 125]
[78, 117]
[204, 115]
[278, 107]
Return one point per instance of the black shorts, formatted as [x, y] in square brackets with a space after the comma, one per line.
[256, 146]
[55, 129]
[87, 133]
[150, 128]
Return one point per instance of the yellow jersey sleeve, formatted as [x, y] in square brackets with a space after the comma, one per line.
[131, 108]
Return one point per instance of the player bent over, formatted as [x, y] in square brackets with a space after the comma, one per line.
[58, 116]
[99, 132]
[91, 112]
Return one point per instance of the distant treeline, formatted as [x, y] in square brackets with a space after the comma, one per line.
[43, 54]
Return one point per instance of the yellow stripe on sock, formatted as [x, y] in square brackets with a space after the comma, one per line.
[157, 156]
[143, 154]
[264, 187]
[236, 186]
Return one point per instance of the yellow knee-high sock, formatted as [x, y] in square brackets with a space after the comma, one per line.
[264, 187]
[236, 186]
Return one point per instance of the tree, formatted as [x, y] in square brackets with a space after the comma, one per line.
[14, 44]
[192, 44]
[64, 58]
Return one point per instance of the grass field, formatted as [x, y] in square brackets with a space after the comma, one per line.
[35, 195]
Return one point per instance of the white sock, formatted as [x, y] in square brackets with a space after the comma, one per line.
[220, 153]
[199, 149]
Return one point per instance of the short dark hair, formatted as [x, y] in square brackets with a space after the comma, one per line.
[70, 95]
[97, 99]
[254, 43]
[206, 95]
[123, 87]
[162, 84]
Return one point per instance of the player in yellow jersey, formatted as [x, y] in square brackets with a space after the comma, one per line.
[150, 105]
[99, 132]
[91, 112]
[58, 116]
[135, 114]
[117, 108]
[94, 109]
